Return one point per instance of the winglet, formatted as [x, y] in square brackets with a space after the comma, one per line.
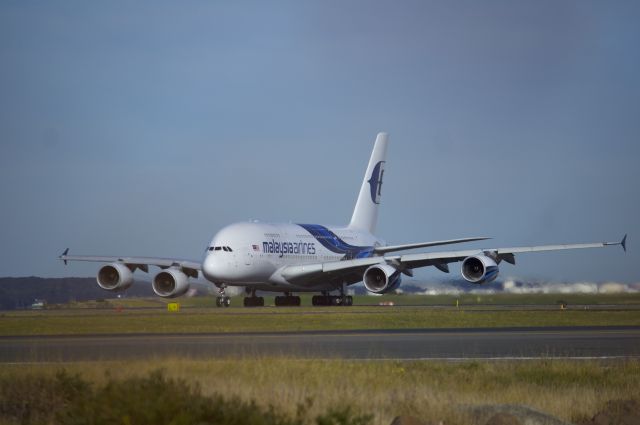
[64, 254]
[623, 242]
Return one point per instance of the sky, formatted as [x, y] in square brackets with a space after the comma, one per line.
[141, 128]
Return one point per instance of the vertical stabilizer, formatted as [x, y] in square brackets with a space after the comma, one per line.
[365, 214]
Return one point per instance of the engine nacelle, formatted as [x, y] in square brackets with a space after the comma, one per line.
[479, 269]
[380, 279]
[170, 283]
[115, 277]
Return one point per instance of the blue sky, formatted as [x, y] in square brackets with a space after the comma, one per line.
[140, 128]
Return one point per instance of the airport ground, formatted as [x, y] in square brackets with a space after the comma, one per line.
[199, 315]
[568, 387]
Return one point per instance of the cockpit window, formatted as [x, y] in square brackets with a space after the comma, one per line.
[220, 248]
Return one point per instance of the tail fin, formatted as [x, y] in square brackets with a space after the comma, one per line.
[365, 214]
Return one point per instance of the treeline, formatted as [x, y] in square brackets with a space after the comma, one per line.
[21, 292]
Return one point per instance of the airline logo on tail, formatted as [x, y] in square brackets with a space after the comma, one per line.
[375, 182]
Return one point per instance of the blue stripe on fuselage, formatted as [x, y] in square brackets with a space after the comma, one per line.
[333, 243]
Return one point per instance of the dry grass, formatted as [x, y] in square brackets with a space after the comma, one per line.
[427, 389]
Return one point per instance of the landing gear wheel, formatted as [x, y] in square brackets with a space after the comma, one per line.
[321, 300]
[287, 300]
[253, 302]
[345, 300]
[223, 301]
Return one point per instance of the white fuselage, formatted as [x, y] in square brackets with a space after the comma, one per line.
[252, 253]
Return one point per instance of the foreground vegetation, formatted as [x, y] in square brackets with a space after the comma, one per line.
[298, 391]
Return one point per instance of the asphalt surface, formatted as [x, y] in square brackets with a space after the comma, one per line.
[452, 344]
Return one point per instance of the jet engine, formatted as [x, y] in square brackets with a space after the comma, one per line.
[479, 269]
[115, 277]
[381, 279]
[170, 283]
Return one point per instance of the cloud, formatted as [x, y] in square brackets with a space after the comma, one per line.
[515, 286]
[518, 286]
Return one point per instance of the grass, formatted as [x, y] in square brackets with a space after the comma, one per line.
[464, 300]
[428, 390]
[199, 315]
[202, 320]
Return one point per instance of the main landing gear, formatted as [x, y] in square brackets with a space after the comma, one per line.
[325, 299]
[252, 300]
[288, 300]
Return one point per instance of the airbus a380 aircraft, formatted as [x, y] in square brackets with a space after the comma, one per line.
[293, 258]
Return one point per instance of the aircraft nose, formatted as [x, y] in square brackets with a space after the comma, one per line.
[211, 268]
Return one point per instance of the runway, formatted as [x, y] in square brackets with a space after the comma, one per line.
[453, 344]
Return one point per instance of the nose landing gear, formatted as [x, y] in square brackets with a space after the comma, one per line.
[222, 300]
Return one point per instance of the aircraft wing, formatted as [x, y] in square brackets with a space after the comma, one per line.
[391, 248]
[189, 266]
[350, 271]
[507, 254]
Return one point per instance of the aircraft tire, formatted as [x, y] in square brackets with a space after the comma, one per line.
[253, 301]
[321, 300]
[287, 301]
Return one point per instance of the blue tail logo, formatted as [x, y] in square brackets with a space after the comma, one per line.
[375, 182]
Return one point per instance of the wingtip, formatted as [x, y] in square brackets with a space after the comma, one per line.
[64, 254]
[623, 242]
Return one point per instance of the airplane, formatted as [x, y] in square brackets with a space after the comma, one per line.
[298, 258]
